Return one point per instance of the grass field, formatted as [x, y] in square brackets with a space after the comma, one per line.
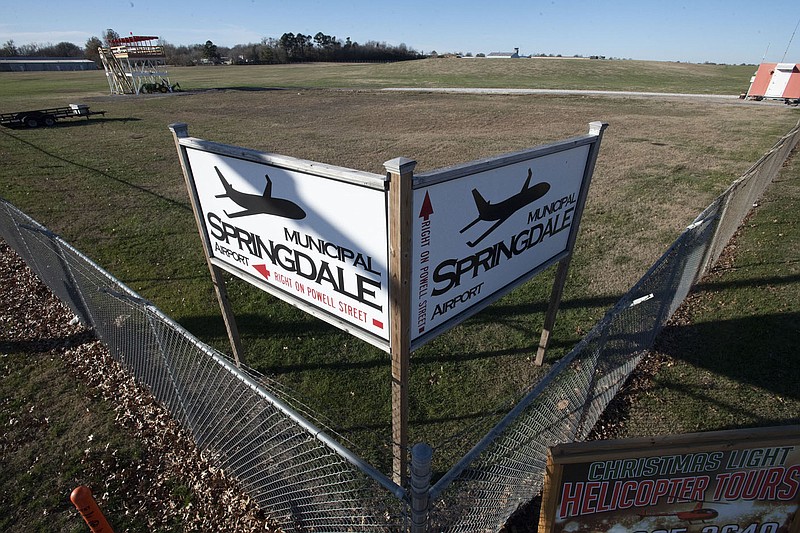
[113, 187]
[729, 360]
[549, 73]
[71, 417]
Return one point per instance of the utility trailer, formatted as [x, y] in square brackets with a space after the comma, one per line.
[779, 81]
[46, 117]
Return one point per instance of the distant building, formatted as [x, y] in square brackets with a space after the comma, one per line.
[36, 64]
[776, 80]
[505, 55]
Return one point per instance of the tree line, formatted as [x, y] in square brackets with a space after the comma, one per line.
[63, 49]
[288, 48]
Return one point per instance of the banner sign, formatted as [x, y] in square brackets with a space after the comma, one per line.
[311, 234]
[742, 481]
[482, 229]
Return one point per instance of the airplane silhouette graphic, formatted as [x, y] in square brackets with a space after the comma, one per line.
[698, 513]
[501, 211]
[255, 204]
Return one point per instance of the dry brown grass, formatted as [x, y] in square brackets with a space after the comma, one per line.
[115, 190]
[661, 162]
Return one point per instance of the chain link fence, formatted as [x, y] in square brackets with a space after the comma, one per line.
[288, 462]
[294, 466]
[506, 469]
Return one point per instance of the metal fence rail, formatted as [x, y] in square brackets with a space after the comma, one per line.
[304, 478]
[506, 469]
[289, 462]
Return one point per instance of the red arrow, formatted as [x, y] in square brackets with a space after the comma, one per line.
[427, 208]
[262, 269]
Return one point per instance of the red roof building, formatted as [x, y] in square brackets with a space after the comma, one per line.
[776, 80]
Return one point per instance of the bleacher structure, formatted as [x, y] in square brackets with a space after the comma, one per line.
[135, 65]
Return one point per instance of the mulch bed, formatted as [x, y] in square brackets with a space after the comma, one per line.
[31, 316]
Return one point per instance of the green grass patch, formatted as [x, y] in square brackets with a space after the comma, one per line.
[113, 187]
[536, 73]
[56, 436]
[732, 362]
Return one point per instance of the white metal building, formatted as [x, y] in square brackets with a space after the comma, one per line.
[504, 55]
[37, 64]
[776, 80]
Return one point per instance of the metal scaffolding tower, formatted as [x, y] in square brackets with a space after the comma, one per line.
[135, 65]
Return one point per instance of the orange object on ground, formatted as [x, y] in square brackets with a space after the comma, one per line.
[84, 502]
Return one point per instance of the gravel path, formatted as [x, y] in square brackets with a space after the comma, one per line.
[718, 98]
[578, 92]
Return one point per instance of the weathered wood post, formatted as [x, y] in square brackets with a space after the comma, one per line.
[400, 174]
[596, 129]
[180, 130]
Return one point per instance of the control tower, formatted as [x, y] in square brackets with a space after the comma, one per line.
[135, 65]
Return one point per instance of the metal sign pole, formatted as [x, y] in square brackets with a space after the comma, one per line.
[400, 173]
[180, 131]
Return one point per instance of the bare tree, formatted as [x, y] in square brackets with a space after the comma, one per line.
[9, 49]
[90, 51]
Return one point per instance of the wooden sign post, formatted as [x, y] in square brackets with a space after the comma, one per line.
[182, 131]
[400, 175]
[595, 128]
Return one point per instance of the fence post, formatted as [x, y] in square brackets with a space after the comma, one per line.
[421, 455]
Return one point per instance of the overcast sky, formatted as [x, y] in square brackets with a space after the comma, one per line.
[730, 31]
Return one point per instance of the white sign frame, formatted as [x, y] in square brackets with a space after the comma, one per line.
[319, 204]
[512, 183]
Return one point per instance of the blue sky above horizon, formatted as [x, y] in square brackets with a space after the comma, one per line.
[731, 31]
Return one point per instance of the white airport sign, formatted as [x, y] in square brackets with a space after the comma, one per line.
[311, 234]
[318, 236]
[481, 229]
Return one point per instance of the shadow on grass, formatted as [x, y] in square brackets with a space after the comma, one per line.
[170, 279]
[38, 345]
[255, 89]
[257, 326]
[139, 188]
[746, 418]
[751, 282]
[756, 355]
[758, 350]
[417, 421]
[73, 123]
[501, 311]
[246, 89]
[94, 122]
